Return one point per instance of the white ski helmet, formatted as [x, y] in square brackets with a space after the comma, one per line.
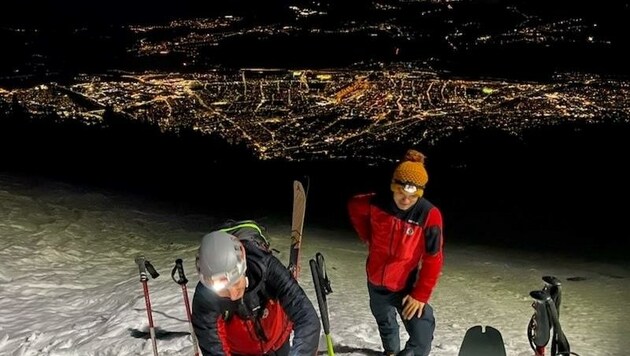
[220, 260]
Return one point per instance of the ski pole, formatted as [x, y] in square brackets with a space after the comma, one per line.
[182, 280]
[540, 324]
[559, 342]
[145, 266]
[322, 288]
[545, 323]
[554, 286]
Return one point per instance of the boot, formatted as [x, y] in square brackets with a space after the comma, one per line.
[405, 352]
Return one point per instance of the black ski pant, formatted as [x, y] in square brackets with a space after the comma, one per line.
[384, 304]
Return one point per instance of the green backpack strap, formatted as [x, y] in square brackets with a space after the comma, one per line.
[248, 230]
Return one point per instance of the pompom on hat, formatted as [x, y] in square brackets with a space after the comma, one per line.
[410, 176]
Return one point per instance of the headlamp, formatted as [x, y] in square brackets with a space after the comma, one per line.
[409, 187]
[222, 280]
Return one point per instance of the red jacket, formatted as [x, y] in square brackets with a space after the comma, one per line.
[399, 243]
[241, 336]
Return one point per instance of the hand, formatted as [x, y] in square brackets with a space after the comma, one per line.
[411, 307]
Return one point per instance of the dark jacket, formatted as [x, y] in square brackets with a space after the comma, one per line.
[274, 304]
[403, 245]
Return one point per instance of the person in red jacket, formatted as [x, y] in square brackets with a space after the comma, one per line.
[403, 232]
[248, 303]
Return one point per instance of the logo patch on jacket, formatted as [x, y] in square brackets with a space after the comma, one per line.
[410, 231]
[265, 313]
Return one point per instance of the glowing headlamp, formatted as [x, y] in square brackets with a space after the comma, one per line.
[220, 281]
[409, 187]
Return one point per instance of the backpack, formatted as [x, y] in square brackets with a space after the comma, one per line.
[248, 230]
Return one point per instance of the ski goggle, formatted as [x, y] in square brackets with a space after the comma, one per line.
[408, 187]
[223, 280]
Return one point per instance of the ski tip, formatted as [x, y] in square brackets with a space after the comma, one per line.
[303, 184]
[482, 340]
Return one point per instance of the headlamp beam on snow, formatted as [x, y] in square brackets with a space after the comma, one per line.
[409, 187]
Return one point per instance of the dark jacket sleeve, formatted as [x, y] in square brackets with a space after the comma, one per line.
[208, 323]
[300, 310]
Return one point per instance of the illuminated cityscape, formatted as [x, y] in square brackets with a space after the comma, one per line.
[303, 114]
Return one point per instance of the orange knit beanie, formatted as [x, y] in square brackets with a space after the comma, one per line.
[410, 176]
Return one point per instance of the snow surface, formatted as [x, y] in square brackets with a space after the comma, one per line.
[69, 284]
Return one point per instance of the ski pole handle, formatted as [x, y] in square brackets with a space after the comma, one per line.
[179, 268]
[145, 266]
[142, 269]
[554, 286]
[551, 280]
[323, 275]
[539, 329]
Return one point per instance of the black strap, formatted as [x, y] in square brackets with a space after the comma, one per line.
[252, 305]
[255, 315]
[259, 329]
[179, 269]
[323, 276]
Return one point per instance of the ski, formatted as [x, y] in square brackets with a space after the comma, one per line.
[297, 225]
[480, 342]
